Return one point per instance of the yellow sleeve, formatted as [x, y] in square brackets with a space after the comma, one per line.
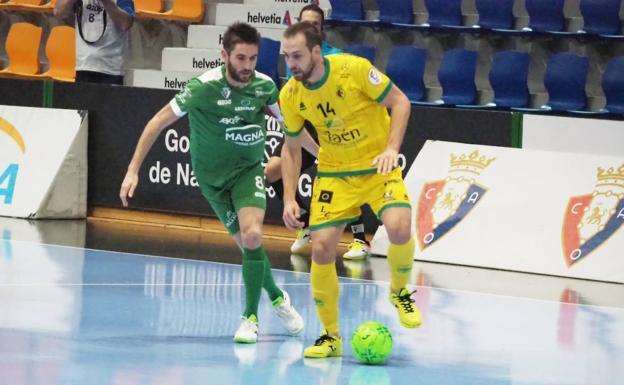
[293, 121]
[371, 81]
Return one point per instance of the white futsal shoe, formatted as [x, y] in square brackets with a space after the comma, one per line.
[291, 320]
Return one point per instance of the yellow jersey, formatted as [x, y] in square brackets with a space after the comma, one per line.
[352, 126]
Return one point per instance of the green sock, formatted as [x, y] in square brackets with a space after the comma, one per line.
[253, 276]
[269, 284]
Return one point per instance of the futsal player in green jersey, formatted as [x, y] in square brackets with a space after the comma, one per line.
[346, 99]
[226, 108]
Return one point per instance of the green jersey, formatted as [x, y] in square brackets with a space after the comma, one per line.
[227, 124]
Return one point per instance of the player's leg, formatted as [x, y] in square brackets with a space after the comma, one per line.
[303, 195]
[325, 291]
[226, 212]
[393, 208]
[359, 248]
[333, 206]
[248, 195]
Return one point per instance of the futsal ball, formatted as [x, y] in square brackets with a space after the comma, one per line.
[371, 343]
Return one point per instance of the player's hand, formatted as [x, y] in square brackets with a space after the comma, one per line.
[291, 215]
[386, 161]
[128, 185]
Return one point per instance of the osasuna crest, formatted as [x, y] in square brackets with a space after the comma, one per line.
[592, 218]
[445, 203]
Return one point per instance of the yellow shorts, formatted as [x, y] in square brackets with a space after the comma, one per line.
[337, 200]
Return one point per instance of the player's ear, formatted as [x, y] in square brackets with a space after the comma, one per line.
[316, 50]
[224, 54]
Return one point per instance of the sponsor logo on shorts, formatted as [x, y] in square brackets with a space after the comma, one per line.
[325, 196]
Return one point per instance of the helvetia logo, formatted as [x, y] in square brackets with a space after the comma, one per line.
[591, 219]
[286, 19]
[8, 176]
[445, 203]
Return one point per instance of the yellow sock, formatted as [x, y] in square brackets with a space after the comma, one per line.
[400, 259]
[325, 291]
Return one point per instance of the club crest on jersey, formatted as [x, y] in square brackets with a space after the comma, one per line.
[226, 92]
[340, 92]
[591, 219]
[445, 203]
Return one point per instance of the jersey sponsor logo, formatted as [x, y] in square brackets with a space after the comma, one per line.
[326, 196]
[346, 137]
[235, 120]
[184, 95]
[374, 77]
[591, 219]
[246, 105]
[259, 92]
[97, 8]
[245, 136]
[443, 204]
[224, 102]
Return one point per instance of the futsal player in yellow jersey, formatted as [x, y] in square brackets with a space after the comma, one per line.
[346, 99]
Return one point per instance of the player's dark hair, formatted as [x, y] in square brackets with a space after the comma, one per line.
[312, 36]
[314, 8]
[240, 33]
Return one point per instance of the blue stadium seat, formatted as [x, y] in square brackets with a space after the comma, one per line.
[565, 78]
[406, 67]
[268, 58]
[396, 12]
[508, 76]
[495, 14]
[444, 13]
[456, 75]
[346, 12]
[362, 50]
[546, 16]
[613, 85]
[601, 17]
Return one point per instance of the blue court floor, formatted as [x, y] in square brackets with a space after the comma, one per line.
[79, 316]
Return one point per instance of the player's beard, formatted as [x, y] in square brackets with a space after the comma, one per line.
[304, 75]
[239, 76]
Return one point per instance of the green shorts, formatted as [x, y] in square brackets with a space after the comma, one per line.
[246, 189]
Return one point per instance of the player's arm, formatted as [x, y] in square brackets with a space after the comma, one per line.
[122, 14]
[308, 142]
[64, 8]
[154, 127]
[291, 167]
[400, 109]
